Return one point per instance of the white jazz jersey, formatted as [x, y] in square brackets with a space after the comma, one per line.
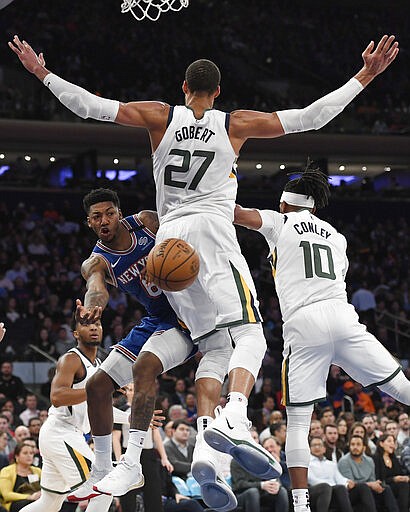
[194, 166]
[308, 258]
[77, 415]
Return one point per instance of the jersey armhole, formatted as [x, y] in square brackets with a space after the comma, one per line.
[170, 115]
[227, 121]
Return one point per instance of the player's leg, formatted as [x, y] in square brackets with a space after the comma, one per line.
[307, 354]
[48, 501]
[216, 351]
[229, 432]
[114, 373]
[164, 350]
[365, 359]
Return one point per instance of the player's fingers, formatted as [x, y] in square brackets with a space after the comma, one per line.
[393, 55]
[392, 49]
[14, 48]
[388, 43]
[78, 302]
[18, 43]
[368, 49]
[382, 41]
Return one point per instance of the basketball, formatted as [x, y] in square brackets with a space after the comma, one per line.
[172, 265]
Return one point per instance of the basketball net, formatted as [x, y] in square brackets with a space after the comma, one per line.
[151, 9]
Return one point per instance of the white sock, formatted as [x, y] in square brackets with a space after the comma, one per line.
[103, 450]
[237, 403]
[300, 500]
[203, 422]
[135, 445]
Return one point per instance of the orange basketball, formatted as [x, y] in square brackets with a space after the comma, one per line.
[172, 265]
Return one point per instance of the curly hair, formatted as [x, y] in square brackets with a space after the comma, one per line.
[313, 182]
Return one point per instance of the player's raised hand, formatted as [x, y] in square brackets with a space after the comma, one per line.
[28, 57]
[2, 331]
[87, 316]
[376, 60]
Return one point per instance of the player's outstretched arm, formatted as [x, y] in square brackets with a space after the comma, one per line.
[96, 297]
[247, 217]
[146, 114]
[250, 124]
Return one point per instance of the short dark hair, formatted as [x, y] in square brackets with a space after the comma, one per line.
[313, 182]
[177, 423]
[326, 409]
[329, 425]
[203, 76]
[100, 195]
[357, 437]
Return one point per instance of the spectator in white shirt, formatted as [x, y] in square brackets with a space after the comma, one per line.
[323, 471]
[31, 410]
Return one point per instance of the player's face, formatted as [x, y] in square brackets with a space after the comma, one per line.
[90, 335]
[104, 218]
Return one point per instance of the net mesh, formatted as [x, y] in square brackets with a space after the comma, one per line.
[151, 9]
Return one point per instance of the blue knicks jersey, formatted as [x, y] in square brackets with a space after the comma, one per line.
[124, 268]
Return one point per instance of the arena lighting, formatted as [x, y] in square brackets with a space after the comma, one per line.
[2, 155]
[27, 158]
[342, 167]
[52, 158]
[387, 169]
[258, 166]
[116, 161]
[3, 169]
[282, 166]
[364, 168]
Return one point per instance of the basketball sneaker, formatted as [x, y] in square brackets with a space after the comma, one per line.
[86, 491]
[216, 493]
[121, 479]
[230, 434]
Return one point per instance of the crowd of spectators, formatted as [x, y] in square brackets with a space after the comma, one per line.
[273, 55]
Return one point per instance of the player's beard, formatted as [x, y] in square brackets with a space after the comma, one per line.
[95, 343]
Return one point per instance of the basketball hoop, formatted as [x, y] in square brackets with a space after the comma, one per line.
[151, 9]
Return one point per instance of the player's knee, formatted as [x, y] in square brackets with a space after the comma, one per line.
[297, 445]
[99, 385]
[398, 388]
[146, 369]
[214, 364]
[250, 347]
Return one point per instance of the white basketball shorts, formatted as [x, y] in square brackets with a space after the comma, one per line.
[325, 333]
[172, 347]
[66, 456]
[224, 294]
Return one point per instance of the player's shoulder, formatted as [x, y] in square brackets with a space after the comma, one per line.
[69, 360]
[94, 263]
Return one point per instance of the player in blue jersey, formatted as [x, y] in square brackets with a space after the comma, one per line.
[119, 258]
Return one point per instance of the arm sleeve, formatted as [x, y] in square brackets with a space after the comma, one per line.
[323, 110]
[272, 224]
[81, 102]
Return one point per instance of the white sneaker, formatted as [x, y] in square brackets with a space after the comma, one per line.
[86, 491]
[121, 479]
[216, 493]
[230, 434]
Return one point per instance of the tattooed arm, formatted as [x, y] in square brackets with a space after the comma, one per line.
[149, 219]
[94, 271]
